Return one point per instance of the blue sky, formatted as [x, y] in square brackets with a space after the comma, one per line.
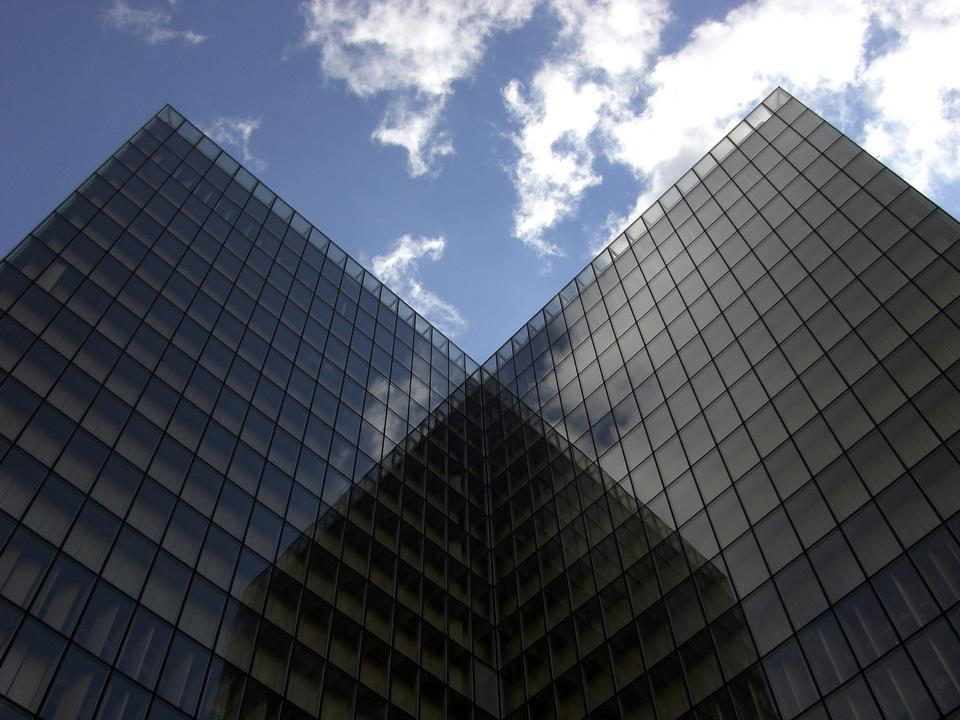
[473, 154]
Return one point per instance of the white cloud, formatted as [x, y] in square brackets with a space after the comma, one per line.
[412, 125]
[236, 133]
[657, 122]
[699, 92]
[597, 67]
[916, 92]
[555, 162]
[399, 269]
[152, 25]
[412, 50]
[602, 93]
[611, 36]
[423, 46]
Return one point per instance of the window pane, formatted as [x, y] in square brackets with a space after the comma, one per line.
[63, 594]
[145, 647]
[792, 685]
[866, 625]
[899, 690]
[936, 652]
[76, 689]
[30, 664]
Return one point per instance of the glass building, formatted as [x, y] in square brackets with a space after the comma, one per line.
[715, 477]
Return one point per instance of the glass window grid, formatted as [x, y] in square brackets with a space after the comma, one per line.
[442, 373]
[665, 357]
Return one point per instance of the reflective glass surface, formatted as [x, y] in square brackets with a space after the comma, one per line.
[715, 477]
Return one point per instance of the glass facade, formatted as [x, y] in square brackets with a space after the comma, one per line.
[715, 477]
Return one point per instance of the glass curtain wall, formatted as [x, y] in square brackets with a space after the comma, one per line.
[715, 477]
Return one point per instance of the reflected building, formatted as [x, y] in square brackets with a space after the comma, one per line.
[715, 477]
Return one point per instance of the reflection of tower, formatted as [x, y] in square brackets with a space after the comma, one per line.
[402, 555]
[602, 579]
[715, 476]
[591, 583]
